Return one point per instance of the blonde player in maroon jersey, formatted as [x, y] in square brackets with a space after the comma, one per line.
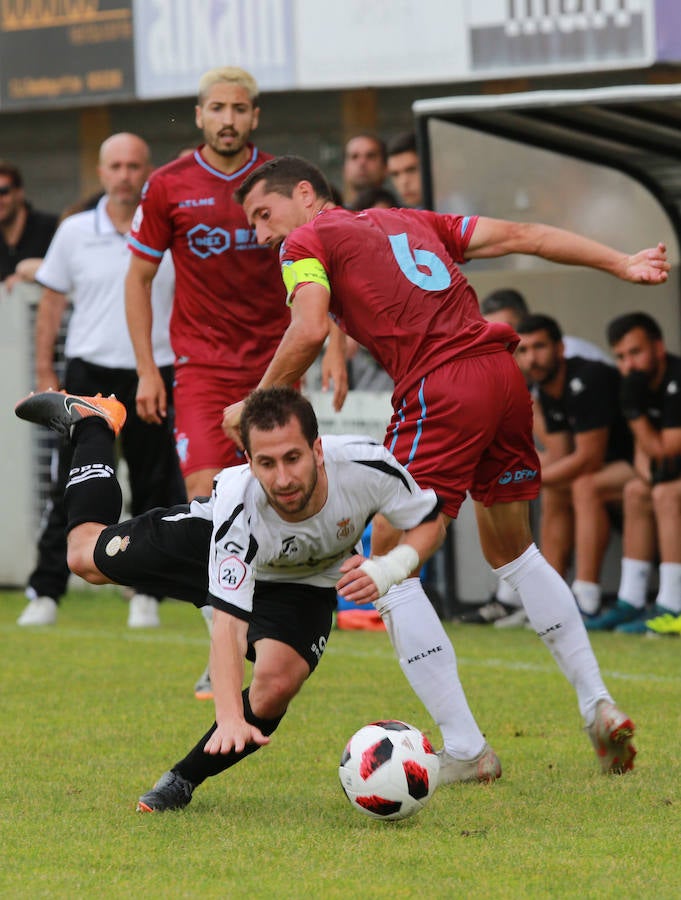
[229, 310]
[462, 416]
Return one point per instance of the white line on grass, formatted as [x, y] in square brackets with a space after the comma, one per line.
[383, 652]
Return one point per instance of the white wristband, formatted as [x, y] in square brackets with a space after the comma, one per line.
[394, 567]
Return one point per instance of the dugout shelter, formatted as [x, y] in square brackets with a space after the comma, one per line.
[605, 162]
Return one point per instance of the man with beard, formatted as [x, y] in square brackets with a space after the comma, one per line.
[25, 233]
[586, 457]
[651, 403]
[86, 263]
[462, 418]
[269, 549]
[229, 311]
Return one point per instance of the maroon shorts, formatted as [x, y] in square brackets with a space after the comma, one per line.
[467, 426]
[200, 395]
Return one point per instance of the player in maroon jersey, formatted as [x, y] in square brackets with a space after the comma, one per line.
[462, 416]
[229, 310]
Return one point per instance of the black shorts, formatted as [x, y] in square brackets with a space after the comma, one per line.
[299, 615]
[167, 550]
[162, 551]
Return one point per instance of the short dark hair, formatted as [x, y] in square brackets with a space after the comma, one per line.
[282, 174]
[270, 408]
[404, 142]
[622, 325]
[374, 196]
[9, 170]
[540, 322]
[370, 136]
[504, 298]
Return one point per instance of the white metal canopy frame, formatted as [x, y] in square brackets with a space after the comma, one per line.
[635, 129]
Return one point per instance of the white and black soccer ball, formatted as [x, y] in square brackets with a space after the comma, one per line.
[389, 770]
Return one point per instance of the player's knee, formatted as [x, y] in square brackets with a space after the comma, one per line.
[271, 695]
[584, 489]
[79, 563]
[666, 497]
[636, 492]
[80, 558]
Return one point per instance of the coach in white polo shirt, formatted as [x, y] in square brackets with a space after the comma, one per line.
[86, 263]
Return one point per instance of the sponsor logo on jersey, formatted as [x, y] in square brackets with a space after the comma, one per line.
[245, 239]
[577, 385]
[518, 475]
[672, 388]
[196, 201]
[205, 241]
[289, 547]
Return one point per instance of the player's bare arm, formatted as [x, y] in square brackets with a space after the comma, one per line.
[497, 237]
[48, 322]
[152, 402]
[227, 654]
[587, 455]
[653, 443]
[365, 580]
[298, 349]
[303, 339]
[334, 366]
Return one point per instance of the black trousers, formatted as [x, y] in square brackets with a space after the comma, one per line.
[149, 451]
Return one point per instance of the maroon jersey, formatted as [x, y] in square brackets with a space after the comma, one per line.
[395, 286]
[229, 308]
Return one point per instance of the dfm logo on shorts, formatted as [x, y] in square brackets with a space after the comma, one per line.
[205, 241]
[518, 475]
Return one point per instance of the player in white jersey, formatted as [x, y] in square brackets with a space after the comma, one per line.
[270, 549]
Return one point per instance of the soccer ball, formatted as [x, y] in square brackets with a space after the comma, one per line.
[389, 770]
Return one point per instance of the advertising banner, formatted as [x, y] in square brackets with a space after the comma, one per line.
[359, 43]
[668, 29]
[176, 41]
[65, 52]
[514, 37]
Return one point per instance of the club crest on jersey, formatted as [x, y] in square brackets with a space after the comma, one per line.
[204, 241]
[345, 529]
[231, 573]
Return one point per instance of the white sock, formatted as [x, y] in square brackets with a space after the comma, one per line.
[669, 594]
[553, 613]
[507, 595]
[207, 613]
[588, 596]
[427, 658]
[634, 579]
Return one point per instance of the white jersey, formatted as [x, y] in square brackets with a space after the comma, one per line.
[251, 541]
[88, 261]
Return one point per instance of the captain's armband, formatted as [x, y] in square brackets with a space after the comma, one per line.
[303, 271]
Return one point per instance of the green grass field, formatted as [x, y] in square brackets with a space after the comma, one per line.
[93, 713]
